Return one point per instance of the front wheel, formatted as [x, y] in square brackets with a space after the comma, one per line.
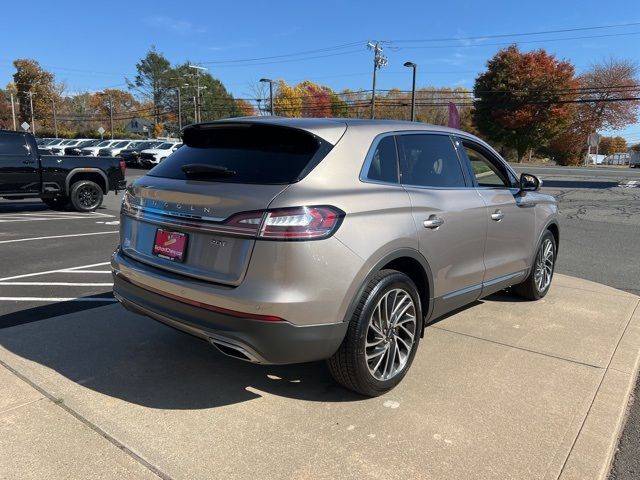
[382, 337]
[86, 196]
[538, 282]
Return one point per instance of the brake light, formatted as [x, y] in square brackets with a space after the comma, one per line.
[297, 223]
[123, 167]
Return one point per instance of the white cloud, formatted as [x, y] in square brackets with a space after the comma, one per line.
[174, 25]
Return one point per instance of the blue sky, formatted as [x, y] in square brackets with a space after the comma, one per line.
[92, 45]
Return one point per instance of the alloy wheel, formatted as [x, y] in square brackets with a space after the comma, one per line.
[87, 196]
[391, 334]
[544, 265]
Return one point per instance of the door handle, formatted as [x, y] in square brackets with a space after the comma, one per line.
[497, 216]
[27, 162]
[433, 222]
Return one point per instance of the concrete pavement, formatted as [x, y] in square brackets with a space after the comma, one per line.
[502, 389]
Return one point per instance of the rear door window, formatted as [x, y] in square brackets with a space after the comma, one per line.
[12, 144]
[247, 153]
[428, 160]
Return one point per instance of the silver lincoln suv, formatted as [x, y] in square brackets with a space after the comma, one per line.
[282, 240]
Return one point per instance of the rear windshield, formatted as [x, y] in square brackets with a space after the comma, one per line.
[258, 154]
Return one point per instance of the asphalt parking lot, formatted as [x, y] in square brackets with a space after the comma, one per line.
[56, 263]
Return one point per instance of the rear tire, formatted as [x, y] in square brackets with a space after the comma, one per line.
[382, 338]
[86, 196]
[538, 282]
[56, 203]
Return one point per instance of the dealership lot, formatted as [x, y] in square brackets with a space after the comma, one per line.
[503, 389]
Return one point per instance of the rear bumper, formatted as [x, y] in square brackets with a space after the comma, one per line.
[257, 341]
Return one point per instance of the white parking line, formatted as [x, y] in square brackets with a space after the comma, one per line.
[85, 271]
[57, 299]
[56, 236]
[63, 270]
[59, 284]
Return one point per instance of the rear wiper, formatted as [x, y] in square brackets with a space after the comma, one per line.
[193, 170]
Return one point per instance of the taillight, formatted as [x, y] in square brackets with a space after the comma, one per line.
[297, 223]
[123, 167]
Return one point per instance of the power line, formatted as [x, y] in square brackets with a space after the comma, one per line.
[499, 44]
[521, 34]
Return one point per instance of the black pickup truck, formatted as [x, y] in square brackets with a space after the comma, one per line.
[60, 181]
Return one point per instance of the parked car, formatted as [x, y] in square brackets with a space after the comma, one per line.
[59, 181]
[115, 149]
[153, 156]
[634, 158]
[131, 155]
[93, 151]
[77, 149]
[51, 142]
[282, 240]
[61, 148]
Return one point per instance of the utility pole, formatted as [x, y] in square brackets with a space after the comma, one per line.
[55, 120]
[179, 110]
[33, 123]
[198, 69]
[111, 114]
[413, 90]
[379, 61]
[103, 94]
[13, 113]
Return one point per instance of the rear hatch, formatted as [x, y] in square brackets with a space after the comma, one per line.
[197, 212]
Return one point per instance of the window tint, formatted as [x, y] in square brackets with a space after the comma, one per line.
[429, 161]
[12, 144]
[384, 162]
[486, 172]
[257, 154]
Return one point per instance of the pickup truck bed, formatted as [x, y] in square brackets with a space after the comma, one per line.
[60, 181]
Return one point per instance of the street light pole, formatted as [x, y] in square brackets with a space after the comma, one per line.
[13, 113]
[33, 123]
[413, 90]
[55, 120]
[379, 61]
[265, 80]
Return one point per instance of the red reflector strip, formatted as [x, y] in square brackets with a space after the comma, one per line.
[212, 308]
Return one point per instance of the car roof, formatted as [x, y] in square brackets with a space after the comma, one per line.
[332, 129]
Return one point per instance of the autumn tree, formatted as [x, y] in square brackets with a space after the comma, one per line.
[31, 77]
[287, 101]
[520, 98]
[611, 145]
[244, 108]
[606, 102]
[6, 120]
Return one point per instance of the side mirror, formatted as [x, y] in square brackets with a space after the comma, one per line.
[529, 183]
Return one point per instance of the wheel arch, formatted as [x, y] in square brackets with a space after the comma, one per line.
[93, 174]
[410, 262]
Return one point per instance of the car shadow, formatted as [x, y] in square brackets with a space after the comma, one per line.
[18, 206]
[122, 355]
[589, 184]
[131, 357]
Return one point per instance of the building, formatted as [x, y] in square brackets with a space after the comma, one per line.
[140, 126]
